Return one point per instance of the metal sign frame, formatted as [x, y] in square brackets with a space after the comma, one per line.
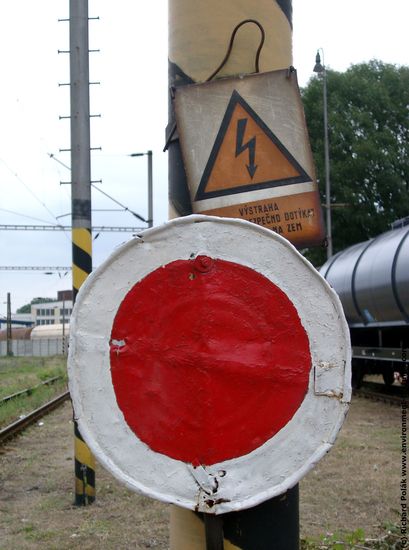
[269, 133]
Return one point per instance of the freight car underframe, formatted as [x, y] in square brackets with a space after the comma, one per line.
[380, 349]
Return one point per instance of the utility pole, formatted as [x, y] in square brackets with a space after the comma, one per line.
[9, 334]
[199, 36]
[80, 206]
[63, 325]
[322, 69]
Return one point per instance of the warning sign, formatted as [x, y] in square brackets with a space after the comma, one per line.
[252, 155]
[246, 152]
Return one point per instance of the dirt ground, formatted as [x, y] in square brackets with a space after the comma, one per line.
[355, 486]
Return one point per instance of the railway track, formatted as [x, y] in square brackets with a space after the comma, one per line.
[22, 423]
[393, 395]
[29, 391]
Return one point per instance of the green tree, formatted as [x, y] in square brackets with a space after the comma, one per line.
[27, 307]
[368, 120]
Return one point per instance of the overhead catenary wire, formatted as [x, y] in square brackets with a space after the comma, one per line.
[34, 195]
[94, 210]
[23, 215]
[139, 217]
[28, 188]
[125, 208]
[49, 227]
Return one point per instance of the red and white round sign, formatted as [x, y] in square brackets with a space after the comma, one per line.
[209, 364]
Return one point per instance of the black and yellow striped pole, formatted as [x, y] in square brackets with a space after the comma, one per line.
[199, 36]
[80, 207]
[81, 267]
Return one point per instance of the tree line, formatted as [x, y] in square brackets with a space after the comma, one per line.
[368, 124]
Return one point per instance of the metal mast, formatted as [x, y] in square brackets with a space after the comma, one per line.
[80, 205]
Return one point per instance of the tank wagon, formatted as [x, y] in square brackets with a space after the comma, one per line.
[372, 281]
[42, 340]
[50, 332]
[20, 333]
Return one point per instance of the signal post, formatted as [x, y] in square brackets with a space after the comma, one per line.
[199, 35]
[80, 207]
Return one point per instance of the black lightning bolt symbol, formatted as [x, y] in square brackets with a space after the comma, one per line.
[250, 145]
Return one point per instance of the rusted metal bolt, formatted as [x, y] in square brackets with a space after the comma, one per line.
[203, 264]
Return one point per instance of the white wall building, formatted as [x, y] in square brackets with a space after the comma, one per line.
[53, 313]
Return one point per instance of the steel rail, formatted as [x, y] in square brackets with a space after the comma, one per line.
[22, 423]
[393, 395]
[29, 391]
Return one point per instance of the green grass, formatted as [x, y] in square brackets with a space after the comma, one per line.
[19, 373]
[391, 540]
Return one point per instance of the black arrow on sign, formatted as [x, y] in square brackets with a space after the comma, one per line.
[250, 145]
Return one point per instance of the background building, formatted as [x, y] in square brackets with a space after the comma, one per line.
[53, 313]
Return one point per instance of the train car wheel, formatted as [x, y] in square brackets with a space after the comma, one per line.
[388, 376]
[357, 376]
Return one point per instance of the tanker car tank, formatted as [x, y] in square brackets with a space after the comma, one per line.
[372, 281]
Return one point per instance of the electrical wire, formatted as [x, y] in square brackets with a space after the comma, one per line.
[28, 188]
[120, 204]
[52, 156]
[25, 216]
[125, 208]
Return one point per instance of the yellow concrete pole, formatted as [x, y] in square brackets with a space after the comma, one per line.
[199, 36]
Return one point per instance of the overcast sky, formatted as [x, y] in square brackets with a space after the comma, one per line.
[132, 99]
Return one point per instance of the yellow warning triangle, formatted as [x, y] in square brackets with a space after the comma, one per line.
[247, 156]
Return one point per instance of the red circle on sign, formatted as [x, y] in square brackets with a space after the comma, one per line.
[208, 360]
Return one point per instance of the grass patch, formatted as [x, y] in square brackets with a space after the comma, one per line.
[15, 408]
[27, 528]
[20, 373]
[390, 540]
[53, 502]
[40, 535]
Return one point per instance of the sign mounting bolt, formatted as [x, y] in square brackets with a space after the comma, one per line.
[203, 264]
